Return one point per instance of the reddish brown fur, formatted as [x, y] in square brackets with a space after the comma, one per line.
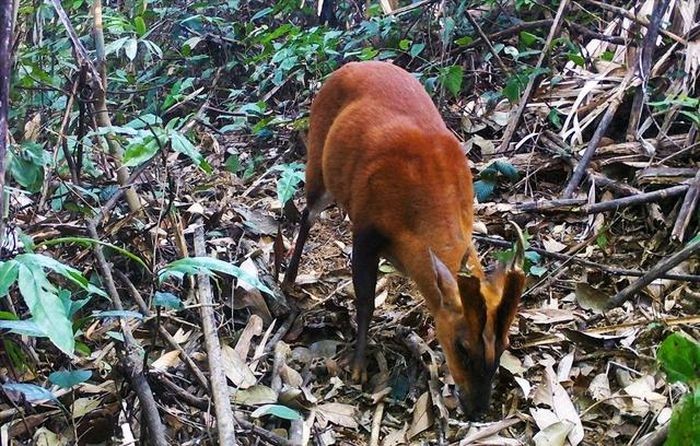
[378, 146]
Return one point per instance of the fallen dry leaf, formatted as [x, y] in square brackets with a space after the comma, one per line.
[422, 416]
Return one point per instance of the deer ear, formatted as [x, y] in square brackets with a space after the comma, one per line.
[513, 283]
[473, 303]
[444, 280]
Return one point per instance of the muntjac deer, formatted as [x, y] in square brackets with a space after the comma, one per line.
[378, 147]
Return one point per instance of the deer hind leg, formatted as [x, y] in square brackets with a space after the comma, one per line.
[366, 246]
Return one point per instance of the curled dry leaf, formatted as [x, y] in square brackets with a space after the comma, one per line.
[599, 389]
[252, 328]
[254, 396]
[554, 435]
[166, 361]
[591, 298]
[396, 437]
[236, 370]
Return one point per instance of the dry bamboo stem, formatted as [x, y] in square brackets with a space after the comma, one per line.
[687, 210]
[6, 14]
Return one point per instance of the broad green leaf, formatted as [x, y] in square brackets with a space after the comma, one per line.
[452, 79]
[130, 48]
[207, 265]
[292, 175]
[140, 26]
[140, 151]
[528, 39]
[8, 275]
[684, 428]
[577, 59]
[47, 309]
[483, 189]
[183, 145]
[464, 41]
[416, 49]
[64, 270]
[66, 379]
[31, 392]
[167, 300]
[679, 356]
[26, 328]
[506, 169]
[277, 410]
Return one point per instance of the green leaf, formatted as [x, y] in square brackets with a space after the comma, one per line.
[287, 184]
[684, 428]
[528, 39]
[140, 151]
[404, 44]
[232, 163]
[416, 49]
[64, 270]
[483, 189]
[512, 89]
[140, 26]
[86, 241]
[679, 356]
[130, 48]
[68, 379]
[26, 328]
[206, 265]
[277, 410]
[183, 145]
[31, 392]
[464, 41]
[506, 169]
[576, 58]
[8, 276]
[538, 271]
[47, 309]
[167, 300]
[452, 79]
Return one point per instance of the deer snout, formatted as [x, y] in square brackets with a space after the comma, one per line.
[476, 401]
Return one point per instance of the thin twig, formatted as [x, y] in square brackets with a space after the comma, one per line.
[514, 120]
[486, 40]
[689, 250]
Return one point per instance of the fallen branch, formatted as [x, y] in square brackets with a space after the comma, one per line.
[690, 249]
[219, 388]
[577, 206]
[533, 83]
[583, 262]
[486, 40]
[648, 197]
